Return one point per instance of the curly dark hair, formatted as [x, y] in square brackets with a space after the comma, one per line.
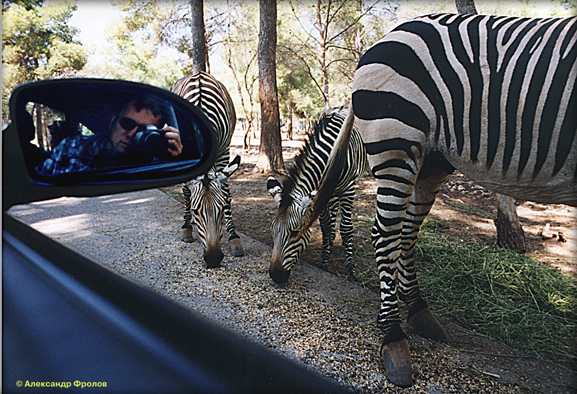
[141, 101]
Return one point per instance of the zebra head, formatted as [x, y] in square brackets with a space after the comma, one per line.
[209, 200]
[289, 236]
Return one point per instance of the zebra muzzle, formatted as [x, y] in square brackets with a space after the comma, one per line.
[212, 258]
[278, 274]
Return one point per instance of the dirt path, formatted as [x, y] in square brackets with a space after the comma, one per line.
[470, 210]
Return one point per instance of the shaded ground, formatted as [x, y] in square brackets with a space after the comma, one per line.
[470, 210]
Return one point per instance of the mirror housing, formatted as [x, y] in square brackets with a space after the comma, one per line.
[89, 104]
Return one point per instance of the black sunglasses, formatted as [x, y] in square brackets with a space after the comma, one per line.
[129, 123]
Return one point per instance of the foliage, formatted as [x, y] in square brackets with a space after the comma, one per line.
[319, 45]
[140, 43]
[143, 44]
[531, 9]
[240, 30]
[161, 25]
[38, 43]
[137, 63]
[314, 43]
[496, 292]
[27, 4]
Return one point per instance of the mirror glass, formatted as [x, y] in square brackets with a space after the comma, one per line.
[90, 131]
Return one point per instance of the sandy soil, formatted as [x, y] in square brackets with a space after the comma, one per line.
[469, 209]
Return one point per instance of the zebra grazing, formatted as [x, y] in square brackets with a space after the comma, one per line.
[295, 194]
[493, 97]
[208, 196]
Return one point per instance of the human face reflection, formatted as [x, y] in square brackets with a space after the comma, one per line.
[121, 138]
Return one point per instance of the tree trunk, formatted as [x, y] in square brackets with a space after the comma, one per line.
[510, 234]
[246, 138]
[270, 137]
[199, 54]
[290, 124]
[41, 128]
[466, 6]
[323, 33]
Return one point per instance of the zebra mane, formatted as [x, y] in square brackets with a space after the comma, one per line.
[293, 180]
[332, 174]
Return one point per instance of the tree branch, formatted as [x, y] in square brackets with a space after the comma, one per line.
[309, 71]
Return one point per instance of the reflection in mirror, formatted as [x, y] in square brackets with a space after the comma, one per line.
[90, 129]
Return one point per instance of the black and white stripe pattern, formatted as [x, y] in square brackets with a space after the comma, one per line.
[294, 196]
[209, 197]
[493, 97]
[491, 91]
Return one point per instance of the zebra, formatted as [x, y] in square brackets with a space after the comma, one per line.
[491, 96]
[295, 194]
[208, 198]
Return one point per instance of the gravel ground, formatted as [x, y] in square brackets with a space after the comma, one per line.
[320, 319]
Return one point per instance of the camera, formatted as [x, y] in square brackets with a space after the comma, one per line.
[151, 140]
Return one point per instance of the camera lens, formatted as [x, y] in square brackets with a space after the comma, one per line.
[151, 141]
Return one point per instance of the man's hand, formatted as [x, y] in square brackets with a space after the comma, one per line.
[174, 143]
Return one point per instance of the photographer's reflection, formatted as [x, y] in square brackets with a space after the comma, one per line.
[136, 135]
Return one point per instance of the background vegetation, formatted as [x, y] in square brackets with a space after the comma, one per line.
[492, 291]
[319, 43]
[501, 294]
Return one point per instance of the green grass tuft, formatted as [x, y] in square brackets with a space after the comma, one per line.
[500, 294]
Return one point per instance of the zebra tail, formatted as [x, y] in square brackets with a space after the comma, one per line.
[336, 165]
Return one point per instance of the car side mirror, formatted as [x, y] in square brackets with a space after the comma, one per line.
[87, 137]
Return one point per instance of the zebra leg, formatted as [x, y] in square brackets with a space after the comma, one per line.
[395, 166]
[326, 229]
[346, 229]
[186, 232]
[334, 209]
[233, 238]
[426, 188]
[395, 348]
[386, 237]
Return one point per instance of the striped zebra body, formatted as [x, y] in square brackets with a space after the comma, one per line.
[207, 198]
[496, 105]
[295, 194]
[493, 97]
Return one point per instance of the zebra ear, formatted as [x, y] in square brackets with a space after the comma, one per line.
[220, 178]
[307, 201]
[198, 179]
[232, 166]
[274, 188]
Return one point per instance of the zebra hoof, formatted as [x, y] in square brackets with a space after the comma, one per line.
[236, 247]
[397, 363]
[426, 324]
[187, 235]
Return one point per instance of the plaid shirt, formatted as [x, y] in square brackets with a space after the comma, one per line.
[78, 153]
